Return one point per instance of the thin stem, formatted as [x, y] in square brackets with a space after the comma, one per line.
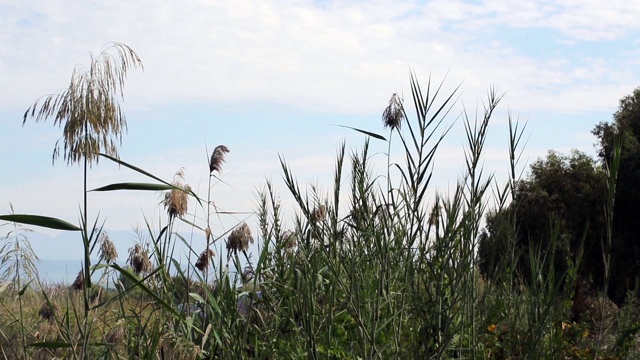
[208, 233]
[87, 262]
[19, 287]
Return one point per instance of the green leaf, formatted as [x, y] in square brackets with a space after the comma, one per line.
[51, 345]
[135, 186]
[99, 266]
[43, 221]
[22, 291]
[137, 169]
[189, 321]
[134, 168]
[374, 135]
[196, 297]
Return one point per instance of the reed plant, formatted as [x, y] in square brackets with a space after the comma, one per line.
[390, 267]
[93, 122]
[383, 265]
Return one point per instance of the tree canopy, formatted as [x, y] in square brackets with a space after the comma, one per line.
[553, 210]
[625, 247]
[560, 208]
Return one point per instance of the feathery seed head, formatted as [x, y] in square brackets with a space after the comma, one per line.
[108, 252]
[176, 200]
[393, 115]
[290, 240]
[89, 108]
[217, 158]
[207, 234]
[202, 263]
[139, 260]
[46, 311]
[78, 283]
[319, 213]
[240, 238]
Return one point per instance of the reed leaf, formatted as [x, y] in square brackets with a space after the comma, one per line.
[134, 186]
[42, 221]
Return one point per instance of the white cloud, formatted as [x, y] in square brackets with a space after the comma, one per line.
[341, 56]
[579, 20]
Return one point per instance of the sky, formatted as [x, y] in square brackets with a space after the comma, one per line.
[273, 79]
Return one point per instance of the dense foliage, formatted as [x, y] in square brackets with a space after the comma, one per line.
[560, 207]
[625, 248]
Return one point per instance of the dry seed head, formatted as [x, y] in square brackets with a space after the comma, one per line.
[46, 311]
[319, 213]
[88, 110]
[392, 116]
[108, 252]
[240, 238]
[176, 200]
[207, 234]
[78, 283]
[203, 260]
[217, 158]
[139, 260]
[290, 240]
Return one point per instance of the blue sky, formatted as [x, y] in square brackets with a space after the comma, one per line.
[272, 78]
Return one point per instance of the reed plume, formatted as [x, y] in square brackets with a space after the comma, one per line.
[108, 252]
[217, 158]
[240, 238]
[203, 261]
[319, 213]
[393, 114]
[290, 240]
[139, 260]
[47, 311]
[176, 200]
[78, 283]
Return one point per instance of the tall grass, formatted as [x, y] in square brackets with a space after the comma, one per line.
[376, 268]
